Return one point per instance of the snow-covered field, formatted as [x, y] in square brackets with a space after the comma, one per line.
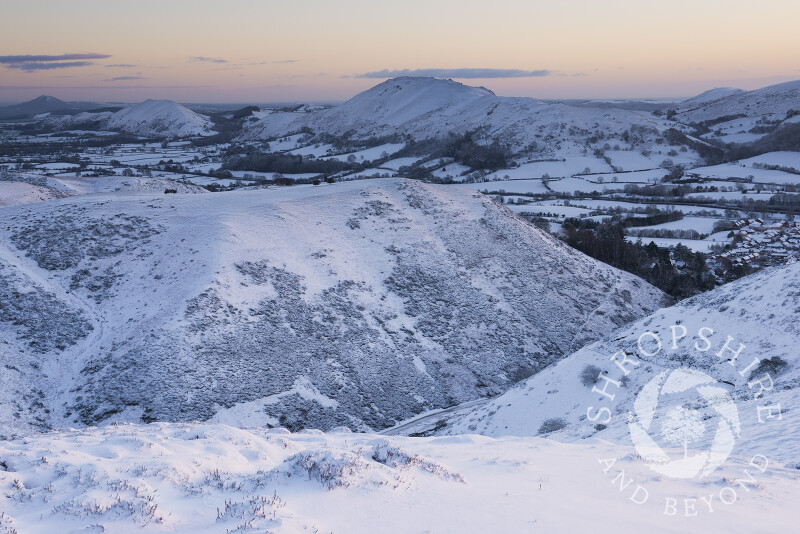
[557, 211]
[554, 169]
[622, 204]
[582, 185]
[782, 159]
[510, 186]
[697, 245]
[734, 170]
[369, 154]
[451, 170]
[703, 225]
[396, 163]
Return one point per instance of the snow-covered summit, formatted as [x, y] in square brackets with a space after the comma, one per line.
[399, 100]
[40, 104]
[160, 117]
[710, 96]
[772, 102]
[45, 100]
[433, 108]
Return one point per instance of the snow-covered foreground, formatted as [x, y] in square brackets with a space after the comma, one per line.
[213, 478]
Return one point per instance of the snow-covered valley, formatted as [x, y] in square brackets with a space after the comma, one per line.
[378, 316]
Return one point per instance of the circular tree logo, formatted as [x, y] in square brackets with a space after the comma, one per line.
[682, 408]
[683, 423]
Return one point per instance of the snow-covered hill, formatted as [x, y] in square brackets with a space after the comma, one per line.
[212, 478]
[761, 311]
[430, 107]
[356, 304]
[42, 105]
[161, 118]
[709, 96]
[772, 102]
[25, 188]
[398, 101]
[13, 193]
[120, 184]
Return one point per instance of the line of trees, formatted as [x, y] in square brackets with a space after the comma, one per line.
[286, 164]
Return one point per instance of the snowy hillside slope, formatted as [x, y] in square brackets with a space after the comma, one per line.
[396, 102]
[761, 311]
[162, 118]
[201, 478]
[709, 96]
[24, 188]
[772, 102]
[13, 193]
[120, 184]
[430, 107]
[37, 318]
[65, 122]
[357, 304]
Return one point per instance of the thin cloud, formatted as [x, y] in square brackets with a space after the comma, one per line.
[47, 66]
[457, 73]
[120, 78]
[209, 59]
[8, 60]
[287, 61]
[121, 86]
[120, 66]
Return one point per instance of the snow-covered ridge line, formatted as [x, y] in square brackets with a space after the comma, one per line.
[430, 107]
